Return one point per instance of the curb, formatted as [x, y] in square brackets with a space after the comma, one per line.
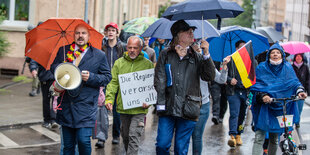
[10, 84]
[16, 125]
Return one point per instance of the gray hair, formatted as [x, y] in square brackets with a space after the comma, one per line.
[134, 38]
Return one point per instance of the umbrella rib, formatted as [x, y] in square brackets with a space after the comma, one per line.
[58, 25]
[49, 29]
[54, 49]
[44, 40]
[67, 38]
[70, 24]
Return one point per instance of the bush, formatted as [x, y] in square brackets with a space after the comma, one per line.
[4, 44]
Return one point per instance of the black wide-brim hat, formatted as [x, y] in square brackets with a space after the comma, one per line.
[179, 26]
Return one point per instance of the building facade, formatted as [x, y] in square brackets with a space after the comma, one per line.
[297, 20]
[269, 13]
[22, 13]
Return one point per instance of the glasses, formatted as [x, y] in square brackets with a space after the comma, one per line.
[189, 31]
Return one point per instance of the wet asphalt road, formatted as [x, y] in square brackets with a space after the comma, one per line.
[215, 139]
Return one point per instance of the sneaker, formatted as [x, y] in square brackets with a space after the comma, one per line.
[220, 120]
[33, 93]
[232, 141]
[54, 125]
[215, 120]
[238, 140]
[100, 144]
[47, 125]
[115, 140]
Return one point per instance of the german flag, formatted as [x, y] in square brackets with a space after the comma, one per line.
[245, 64]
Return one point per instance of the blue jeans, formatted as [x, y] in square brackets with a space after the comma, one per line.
[183, 130]
[79, 135]
[116, 130]
[199, 128]
[236, 102]
[62, 143]
[300, 104]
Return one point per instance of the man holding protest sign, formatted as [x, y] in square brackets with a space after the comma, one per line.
[131, 78]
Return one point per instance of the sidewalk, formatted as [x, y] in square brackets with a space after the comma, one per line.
[17, 107]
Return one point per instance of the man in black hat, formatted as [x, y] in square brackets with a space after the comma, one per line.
[176, 81]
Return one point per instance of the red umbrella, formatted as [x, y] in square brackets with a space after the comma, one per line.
[295, 47]
[43, 42]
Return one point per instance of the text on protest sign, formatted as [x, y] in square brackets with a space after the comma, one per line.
[137, 88]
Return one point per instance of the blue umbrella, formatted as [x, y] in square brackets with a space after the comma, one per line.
[203, 9]
[222, 46]
[161, 29]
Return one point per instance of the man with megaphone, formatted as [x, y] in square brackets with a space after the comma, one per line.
[78, 81]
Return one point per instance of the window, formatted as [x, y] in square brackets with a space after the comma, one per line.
[15, 12]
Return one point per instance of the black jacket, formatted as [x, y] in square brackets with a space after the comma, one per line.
[303, 75]
[117, 53]
[43, 74]
[185, 80]
[233, 73]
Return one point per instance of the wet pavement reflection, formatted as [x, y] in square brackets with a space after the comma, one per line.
[214, 140]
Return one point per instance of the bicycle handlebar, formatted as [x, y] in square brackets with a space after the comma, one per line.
[291, 99]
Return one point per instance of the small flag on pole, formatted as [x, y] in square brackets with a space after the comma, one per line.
[245, 64]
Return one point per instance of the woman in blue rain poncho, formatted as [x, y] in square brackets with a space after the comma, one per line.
[275, 78]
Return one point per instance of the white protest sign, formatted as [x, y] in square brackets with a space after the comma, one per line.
[137, 88]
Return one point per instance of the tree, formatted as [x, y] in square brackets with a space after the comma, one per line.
[246, 18]
[163, 8]
[4, 44]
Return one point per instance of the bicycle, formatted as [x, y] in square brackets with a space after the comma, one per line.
[288, 145]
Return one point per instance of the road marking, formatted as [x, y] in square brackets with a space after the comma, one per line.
[306, 107]
[305, 120]
[50, 134]
[6, 141]
[27, 146]
[305, 137]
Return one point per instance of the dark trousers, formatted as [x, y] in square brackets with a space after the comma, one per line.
[48, 112]
[116, 130]
[223, 103]
[219, 98]
[237, 109]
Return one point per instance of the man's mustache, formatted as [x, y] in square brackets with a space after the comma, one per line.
[80, 39]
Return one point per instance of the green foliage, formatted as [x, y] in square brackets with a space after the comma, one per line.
[162, 9]
[5, 91]
[245, 19]
[4, 44]
[21, 78]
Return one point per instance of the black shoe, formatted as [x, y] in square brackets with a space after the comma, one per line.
[115, 141]
[54, 124]
[215, 120]
[297, 126]
[33, 93]
[38, 91]
[47, 125]
[99, 144]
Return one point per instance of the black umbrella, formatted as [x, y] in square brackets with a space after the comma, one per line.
[272, 35]
[203, 9]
